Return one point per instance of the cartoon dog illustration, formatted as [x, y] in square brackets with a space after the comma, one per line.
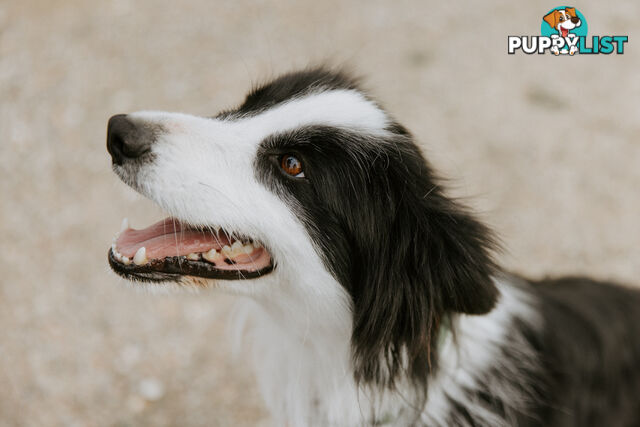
[563, 20]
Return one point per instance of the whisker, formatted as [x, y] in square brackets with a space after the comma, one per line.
[175, 236]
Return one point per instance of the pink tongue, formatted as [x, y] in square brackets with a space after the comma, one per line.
[168, 238]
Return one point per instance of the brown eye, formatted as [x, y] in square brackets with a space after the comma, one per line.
[292, 166]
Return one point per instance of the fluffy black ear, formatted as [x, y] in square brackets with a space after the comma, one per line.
[458, 248]
[416, 257]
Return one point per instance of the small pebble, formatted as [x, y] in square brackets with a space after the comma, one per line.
[151, 389]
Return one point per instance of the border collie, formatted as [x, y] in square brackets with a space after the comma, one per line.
[370, 296]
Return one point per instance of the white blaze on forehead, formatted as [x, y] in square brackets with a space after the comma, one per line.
[341, 108]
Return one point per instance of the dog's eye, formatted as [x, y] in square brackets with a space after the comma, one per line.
[291, 165]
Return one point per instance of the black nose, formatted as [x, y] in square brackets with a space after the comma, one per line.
[127, 140]
[575, 19]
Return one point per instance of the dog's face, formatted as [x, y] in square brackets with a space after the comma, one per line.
[563, 19]
[233, 185]
[319, 203]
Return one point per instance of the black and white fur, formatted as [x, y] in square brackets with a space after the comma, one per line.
[385, 305]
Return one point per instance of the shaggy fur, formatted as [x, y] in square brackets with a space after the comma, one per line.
[385, 305]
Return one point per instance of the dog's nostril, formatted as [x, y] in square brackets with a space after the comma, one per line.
[115, 146]
[127, 140]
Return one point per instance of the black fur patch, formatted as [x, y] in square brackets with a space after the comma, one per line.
[290, 86]
[406, 253]
[590, 353]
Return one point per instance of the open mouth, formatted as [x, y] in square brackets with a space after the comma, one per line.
[170, 249]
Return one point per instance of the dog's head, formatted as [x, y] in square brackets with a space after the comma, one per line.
[563, 20]
[321, 202]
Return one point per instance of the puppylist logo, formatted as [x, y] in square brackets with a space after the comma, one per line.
[564, 32]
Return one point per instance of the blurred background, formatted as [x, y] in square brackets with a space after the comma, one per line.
[546, 149]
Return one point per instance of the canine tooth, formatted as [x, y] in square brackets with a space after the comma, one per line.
[226, 250]
[124, 225]
[193, 256]
[140, 258]
[212, 255]
[117, 255]
[126, 260]
[248, 248]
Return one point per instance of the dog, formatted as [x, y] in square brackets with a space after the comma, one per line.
[368, 296]
[563, 20]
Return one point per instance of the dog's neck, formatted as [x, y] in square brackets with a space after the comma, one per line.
[305, 373]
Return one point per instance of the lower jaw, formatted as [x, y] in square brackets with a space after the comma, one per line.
[174, 269]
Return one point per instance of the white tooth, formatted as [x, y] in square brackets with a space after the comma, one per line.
[217, 228]
[118, 256]
[248, 248]
[126, 260]
[140, 258]
[236, 248]
[193, 257]
[226, 250]
[212, 255]
[124, 225]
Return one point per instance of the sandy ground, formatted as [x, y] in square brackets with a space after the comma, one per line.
[546, 148]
